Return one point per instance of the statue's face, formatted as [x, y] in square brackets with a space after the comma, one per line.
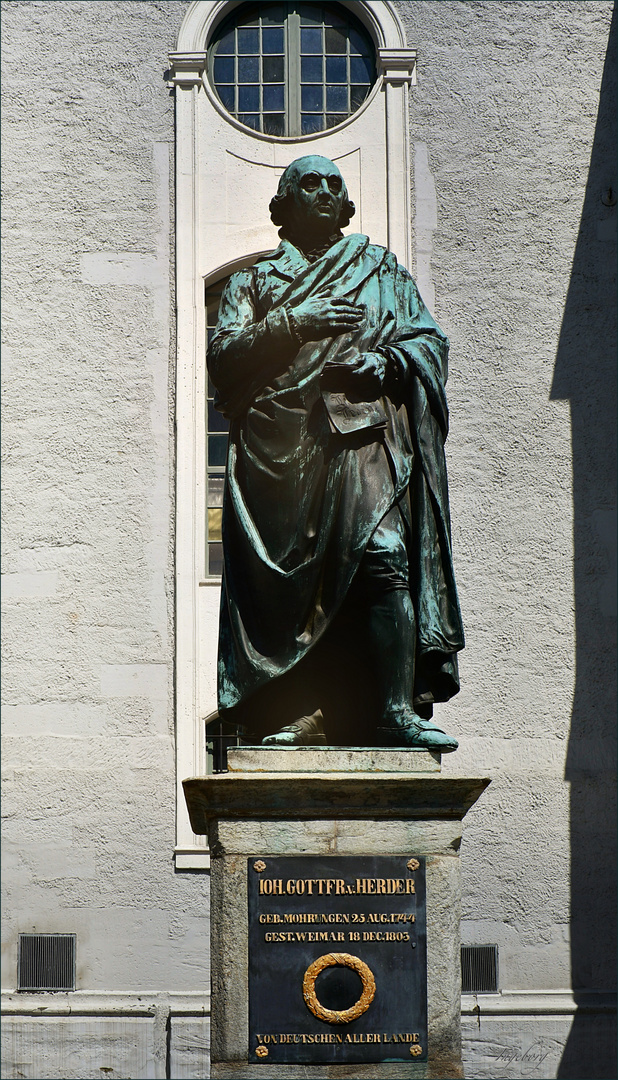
[317, 187]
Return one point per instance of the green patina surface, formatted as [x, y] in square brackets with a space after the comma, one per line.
[332, 372]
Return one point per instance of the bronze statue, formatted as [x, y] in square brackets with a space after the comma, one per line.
[338, 597]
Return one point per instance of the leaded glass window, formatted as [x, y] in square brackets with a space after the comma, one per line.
[290, 69]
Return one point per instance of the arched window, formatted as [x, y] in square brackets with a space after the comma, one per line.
[291, 69]
[216, 445]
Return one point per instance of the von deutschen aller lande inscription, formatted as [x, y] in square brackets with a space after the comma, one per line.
[337, 959]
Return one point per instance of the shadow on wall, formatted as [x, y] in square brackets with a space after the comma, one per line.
[585, 373]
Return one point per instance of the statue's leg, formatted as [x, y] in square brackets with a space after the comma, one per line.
[392, 633]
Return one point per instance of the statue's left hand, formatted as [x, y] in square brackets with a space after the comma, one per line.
[367, 373]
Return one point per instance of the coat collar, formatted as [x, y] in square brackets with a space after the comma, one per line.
[286, 261]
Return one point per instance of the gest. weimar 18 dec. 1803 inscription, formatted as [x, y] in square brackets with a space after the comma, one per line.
[337, 959]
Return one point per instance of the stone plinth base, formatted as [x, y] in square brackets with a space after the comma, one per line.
[385, 1070]
[332, 802]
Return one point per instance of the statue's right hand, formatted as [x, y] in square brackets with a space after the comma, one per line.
[322, 316]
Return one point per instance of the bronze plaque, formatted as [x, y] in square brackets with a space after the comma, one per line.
[337, 959]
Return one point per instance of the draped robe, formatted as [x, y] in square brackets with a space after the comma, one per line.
[311, 473]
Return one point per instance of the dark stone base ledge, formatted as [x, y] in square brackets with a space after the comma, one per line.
[293, 796]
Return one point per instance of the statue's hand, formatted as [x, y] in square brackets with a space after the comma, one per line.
[321, 316]
[367, 374]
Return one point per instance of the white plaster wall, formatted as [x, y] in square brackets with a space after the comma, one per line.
[88, 502]
[503, 122]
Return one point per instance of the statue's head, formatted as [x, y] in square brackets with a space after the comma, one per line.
[311, 198]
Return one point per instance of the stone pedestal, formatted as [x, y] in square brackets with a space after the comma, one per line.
[310, 801]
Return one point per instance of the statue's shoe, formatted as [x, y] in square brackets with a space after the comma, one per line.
[418, 734]
[306, 731]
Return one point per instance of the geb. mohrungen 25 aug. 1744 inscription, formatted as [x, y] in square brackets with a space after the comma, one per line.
[337, 959]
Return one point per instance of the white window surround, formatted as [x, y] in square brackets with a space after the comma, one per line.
[225, 177]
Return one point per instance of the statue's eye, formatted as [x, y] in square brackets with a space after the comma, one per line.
[310, 183]
[334, 184]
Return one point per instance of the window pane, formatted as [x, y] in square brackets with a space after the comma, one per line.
[215, 489]
[226, 93]
[248, 69]
[335, 118]
[272, 69]
[251, 120]
[336, 41]
[224, 69]
[213, 299]
[214, 524]
[359, 43]
[311, 98]
[311, 69]
[272, 14]
[309, 124]
[310, 41]
[227, 44]
[332, 17]
[274, 124]
[248, 40]
[361, 69]
[310, 14]
[215, 559]
[217, 447]
[272, 40]
[216, 420]
[336, 69]
[273, 98]
[336, 98]
[248, 98]
[358, 95]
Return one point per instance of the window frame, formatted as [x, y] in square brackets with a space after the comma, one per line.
[292, 78]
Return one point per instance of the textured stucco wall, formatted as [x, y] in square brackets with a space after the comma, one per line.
[88, 503]
[504, 116]
[515, 244]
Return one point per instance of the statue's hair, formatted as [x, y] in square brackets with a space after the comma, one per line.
[280, 204]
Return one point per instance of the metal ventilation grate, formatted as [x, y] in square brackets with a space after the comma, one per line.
[46, 962]
[479, 969]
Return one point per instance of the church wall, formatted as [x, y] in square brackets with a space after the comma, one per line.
[511, 125]
[507, 215]
[88, 548]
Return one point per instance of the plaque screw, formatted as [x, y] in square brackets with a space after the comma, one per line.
[259, 866]
[415, 1050]
[261, 1051]
[413, 864]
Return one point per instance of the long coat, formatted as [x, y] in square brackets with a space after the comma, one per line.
[311, 472]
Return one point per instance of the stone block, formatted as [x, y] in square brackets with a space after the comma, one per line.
[189, 1047]
[315, 759]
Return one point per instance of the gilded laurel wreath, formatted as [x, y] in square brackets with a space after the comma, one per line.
[333, 1016]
